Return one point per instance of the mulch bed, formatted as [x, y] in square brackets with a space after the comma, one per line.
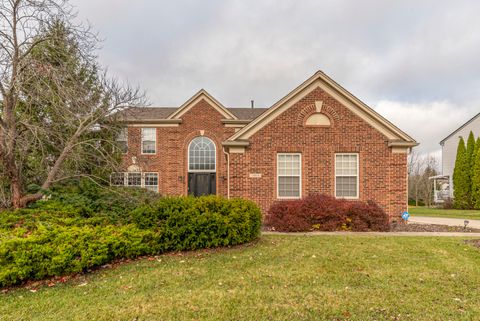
[411, 227]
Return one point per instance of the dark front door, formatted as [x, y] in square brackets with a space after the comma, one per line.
[201, 184]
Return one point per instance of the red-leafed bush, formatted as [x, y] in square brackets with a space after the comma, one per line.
[367, 217]
[326, 213]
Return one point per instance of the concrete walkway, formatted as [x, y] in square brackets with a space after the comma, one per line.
[443, 221]
[374, 234]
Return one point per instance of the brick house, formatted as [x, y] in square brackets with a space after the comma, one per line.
[317, 139]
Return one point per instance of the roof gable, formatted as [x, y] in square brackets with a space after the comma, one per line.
[319, 79]
[460, 128]
[202, 94]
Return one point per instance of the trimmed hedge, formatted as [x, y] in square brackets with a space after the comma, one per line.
[326, 213]
[37, 243]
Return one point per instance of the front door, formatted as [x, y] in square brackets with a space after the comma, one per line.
[201, 184]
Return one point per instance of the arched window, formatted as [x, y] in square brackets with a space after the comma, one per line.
[201, 155]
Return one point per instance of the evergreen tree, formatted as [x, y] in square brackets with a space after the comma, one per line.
[470, 156]
[476, 177]
[461, 180]
[61, 109]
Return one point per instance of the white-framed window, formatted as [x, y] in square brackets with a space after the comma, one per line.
[122, 140]
[346, 175]
[148, 180]
[289, 175]
[149, 140]
[201, 155]
[117, 179]
[134, 179]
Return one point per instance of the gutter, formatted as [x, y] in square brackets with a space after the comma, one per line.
[236, 143]
[401, 143]
[236, 121]
[152, 121]
[228, 172]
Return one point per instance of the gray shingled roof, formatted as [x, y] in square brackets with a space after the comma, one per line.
[155, 113]
[247, 113]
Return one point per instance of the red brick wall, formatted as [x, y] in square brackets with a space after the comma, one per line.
[171, 160]
[382, 174]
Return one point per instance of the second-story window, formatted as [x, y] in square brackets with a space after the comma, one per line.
[149, 140]
[122, 140]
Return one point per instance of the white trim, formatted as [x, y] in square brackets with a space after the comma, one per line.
[358, 175]
[141, 141]
[126, 140]
[319, 79]
[142, 179]
[126, 179]
[202, 94]
[145, 125]
[201, 170]
[236, 149]
[300, 180]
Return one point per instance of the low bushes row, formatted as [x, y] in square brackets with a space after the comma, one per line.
[326, 213]
[52, 240]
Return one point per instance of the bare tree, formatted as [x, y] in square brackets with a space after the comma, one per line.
[414, 176]
[57, 108]
[420, 169]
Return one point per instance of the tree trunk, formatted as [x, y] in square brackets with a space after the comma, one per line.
[16, 190]
[25, 200]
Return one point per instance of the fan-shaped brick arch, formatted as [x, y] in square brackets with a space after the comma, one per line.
[311, 109]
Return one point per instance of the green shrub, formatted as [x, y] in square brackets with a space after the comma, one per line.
[189, 223]
[56, 250]
[86, 199]
[55, 238]
[461, 178]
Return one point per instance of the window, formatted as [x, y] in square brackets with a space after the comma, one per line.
[122, 140]
[346, 175]
[201, 155]
[117, 179]
[149, 140]
[289, 175]
[135, 179]
[151, 181]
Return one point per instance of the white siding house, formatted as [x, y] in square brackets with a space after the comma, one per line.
[449, 148]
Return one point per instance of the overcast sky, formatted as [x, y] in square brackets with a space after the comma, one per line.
[415, 62]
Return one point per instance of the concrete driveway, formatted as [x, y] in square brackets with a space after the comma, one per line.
[443, 221]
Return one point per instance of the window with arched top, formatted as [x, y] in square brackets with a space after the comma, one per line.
[318, 119]
[201, 155]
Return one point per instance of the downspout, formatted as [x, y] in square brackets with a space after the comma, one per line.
[228, 172]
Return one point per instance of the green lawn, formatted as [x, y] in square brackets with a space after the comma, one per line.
[278, 278]
[440, 212]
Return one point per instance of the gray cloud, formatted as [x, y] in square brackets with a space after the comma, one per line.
[414, 61]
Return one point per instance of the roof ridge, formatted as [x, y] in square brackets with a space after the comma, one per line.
[459, 128]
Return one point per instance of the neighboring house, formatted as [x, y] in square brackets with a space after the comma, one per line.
[449, 154]
[317, 139]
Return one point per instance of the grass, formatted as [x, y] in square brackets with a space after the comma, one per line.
[278, 278]
[440, 212]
